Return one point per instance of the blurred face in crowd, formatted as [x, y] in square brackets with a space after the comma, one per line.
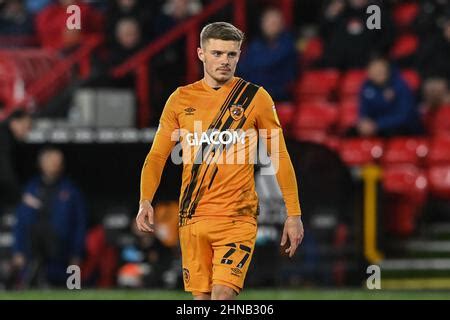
[447, 30]
[20, 127]
[219, 58]
[435, 91]
[67, 2]
[126, 5]
[357, 4]
[179, 8]
[13, 8]
[378, 72]
[128, 34]
[51, 163]
[272, 23]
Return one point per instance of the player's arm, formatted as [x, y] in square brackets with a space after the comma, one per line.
[272, 135]
[163, 143]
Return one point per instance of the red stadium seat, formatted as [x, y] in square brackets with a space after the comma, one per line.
[439, 150]
[311, 135]
[360, 151]
[317, 85]
[285, 112]
[351, 83]
[406, 190]
[333, 142]
[441, 120]
[348, 115]
[404, 46]
[313, 51]
[406, 180]
[404, 14]
[316, 116]
[412, 78]
[405, 150]
[439, 178]
[317, 136]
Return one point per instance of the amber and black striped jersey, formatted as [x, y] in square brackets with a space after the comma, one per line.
[218, 131]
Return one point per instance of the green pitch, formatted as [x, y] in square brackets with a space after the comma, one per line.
[270, 294]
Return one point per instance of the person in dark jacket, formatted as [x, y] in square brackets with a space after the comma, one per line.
[348, 43]
[271, 60]
[434, 52]
[50, 225]
[387, 107]
[144, 260]
[12, 132]
[15, 20]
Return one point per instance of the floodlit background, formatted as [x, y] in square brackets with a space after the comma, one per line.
[365, 111]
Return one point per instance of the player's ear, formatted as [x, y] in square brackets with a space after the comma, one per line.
[201, 54]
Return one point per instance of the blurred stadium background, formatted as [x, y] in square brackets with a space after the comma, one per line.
[96, 94]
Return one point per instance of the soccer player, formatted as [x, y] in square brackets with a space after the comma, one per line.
[218, 202]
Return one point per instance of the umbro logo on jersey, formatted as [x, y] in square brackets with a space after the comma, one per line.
[236, 272]
[189, 111]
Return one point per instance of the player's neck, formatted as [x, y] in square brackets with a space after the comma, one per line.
[215, 84]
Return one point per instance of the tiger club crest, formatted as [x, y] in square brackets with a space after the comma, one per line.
[236, 112]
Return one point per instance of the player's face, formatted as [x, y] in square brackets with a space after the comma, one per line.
[220, 58]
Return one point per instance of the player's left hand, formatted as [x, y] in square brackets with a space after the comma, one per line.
[293, 230]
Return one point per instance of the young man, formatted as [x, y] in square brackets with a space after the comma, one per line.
[218, 202]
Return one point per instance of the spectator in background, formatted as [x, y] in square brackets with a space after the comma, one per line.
[271, 59]
[52, 29]
[144, 261]
[100, 261]
[139, 10]
[34, 6]
[12, 132]
[15, 20]
[174, 12]
[435, 93]
[50, 225]
[169, 66]
[433, 63]
[387, 107]
[127, 41]
[432, 14]
[434, 53]
[348, 42]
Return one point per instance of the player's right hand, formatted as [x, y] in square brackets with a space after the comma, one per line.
[144, 218]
